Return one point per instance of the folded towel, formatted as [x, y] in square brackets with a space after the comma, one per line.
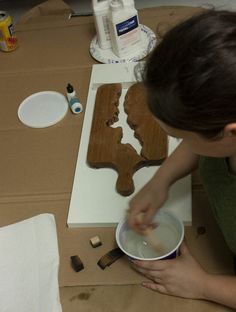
[29, 263]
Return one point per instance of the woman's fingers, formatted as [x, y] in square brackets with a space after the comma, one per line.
[155, 286]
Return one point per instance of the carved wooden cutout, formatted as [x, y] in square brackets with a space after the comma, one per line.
[146, 129]
[105, 149]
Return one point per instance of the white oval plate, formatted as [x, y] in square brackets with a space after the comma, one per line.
[43, 109]
[107, 56]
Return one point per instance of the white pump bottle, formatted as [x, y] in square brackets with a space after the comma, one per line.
[125, 32]
[101, 11]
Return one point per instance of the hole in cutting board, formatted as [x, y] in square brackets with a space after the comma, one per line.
[128, 132]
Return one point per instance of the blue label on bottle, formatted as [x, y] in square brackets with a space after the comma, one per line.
[126, 26]
[73, 101]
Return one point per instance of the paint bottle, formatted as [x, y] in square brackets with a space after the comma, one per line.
[8, 40]
[74, 102]
[124, 28]
[100, 12]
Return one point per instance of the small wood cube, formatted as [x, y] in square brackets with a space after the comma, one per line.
[95, 241]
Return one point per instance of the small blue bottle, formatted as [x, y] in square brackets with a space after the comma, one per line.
[74, 102]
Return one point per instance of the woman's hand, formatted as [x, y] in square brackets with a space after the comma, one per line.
[146, 202]
[182, 277]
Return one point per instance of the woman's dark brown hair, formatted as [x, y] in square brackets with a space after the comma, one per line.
[191, 74]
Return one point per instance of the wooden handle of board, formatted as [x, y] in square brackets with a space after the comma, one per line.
[125, 183]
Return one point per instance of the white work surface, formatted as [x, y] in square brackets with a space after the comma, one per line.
[95, 201]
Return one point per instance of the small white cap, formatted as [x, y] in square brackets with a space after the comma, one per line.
[76, 108]
[116, 5]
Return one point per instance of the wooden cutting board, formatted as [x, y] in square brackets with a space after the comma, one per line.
[105, 149]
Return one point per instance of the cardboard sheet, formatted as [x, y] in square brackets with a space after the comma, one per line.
[129, 299]
[46, 11]
[37, 165]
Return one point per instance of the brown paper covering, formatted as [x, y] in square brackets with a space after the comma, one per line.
[37, 165]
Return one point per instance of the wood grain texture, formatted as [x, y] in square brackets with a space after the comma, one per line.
[105, 149]
[146, 128]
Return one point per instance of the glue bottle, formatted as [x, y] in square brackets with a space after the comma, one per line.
[124, 28]
[128, 3]
[74, 102]
[100, 11]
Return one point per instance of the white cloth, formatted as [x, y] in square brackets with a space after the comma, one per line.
[29, 263]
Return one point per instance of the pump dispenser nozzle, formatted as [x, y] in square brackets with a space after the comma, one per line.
[116, 4]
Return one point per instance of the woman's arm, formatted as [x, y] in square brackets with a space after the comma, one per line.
[179, 164]
[220, 289]
[154, 194]
[184, 277]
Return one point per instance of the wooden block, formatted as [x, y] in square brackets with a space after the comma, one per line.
[95, 241]
[76, 263]
[110, 258]
[105, 149]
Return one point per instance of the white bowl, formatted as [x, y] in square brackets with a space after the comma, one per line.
[169, 232]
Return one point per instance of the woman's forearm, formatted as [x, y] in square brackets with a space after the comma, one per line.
[220, 289]
[179, 164]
